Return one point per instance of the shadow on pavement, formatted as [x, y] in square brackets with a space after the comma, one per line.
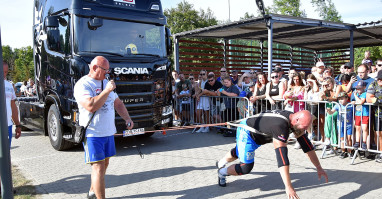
[264, 181]
[173, 141]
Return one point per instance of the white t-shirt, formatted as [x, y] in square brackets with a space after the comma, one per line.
[103, 123]
[185, 100]
[23, 88]
[9, 95]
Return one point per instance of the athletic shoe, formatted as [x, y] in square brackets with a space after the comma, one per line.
[327, 142]
[364, 146]
[200, 130]
[206, 130]
[379, 158]
[91, 195]
[330, 152]
[221, 179]
[344, 155]
[356, 145]
[217, 165]
[297, 146]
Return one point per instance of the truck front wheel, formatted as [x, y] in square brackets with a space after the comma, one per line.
[55, 130]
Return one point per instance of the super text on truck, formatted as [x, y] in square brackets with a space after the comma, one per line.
[68, 34]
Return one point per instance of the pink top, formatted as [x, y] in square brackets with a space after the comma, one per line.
[298, 92]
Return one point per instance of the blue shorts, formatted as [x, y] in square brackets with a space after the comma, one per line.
[245, 145]
[98, 148]
[10, 135]
[349, 128]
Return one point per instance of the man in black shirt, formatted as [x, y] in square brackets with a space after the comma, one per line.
[269, 126]
[210, 89]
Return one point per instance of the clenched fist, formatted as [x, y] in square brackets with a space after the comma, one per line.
[110, 86]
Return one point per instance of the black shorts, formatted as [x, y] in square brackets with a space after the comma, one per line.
[378, 123]
[313, 109]
[186, 107]
[322, 108]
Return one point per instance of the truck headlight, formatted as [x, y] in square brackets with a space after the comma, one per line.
[167, 110]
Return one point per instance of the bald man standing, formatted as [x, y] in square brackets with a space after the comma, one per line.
[266, 127]
[94, 94]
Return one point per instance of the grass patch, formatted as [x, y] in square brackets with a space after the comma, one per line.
[24, 188]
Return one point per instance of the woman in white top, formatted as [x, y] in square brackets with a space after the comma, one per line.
[312, 94]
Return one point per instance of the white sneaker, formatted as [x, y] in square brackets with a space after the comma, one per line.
[201, 130]
[206, 130]
[327, 141]
[297, 146]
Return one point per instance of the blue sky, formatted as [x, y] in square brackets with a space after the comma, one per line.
[16, 15]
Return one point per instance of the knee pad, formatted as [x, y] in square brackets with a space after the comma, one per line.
[233, 153]
[243, 168]
[282, 156]
[305, 143]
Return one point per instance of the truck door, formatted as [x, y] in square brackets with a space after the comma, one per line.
[56, 73]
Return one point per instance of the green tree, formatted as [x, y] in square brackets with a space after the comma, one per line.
[24, 66]
[9, 57]
[288, 7]
[184, 18]
[327, 10]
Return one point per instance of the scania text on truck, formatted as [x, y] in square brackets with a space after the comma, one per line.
[68, 34]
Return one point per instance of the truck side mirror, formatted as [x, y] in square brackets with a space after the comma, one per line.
[168, 41]
[53, 39]
[95, 23]
[51, 22]
[53, 33]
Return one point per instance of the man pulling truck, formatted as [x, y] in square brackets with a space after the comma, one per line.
[269, 126]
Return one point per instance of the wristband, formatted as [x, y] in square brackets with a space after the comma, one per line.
[18, 126]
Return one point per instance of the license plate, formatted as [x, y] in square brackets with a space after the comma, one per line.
[133, 132]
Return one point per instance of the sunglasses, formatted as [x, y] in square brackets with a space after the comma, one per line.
[191, 78]
[202, 74]
[274, 77]
[251, 73]
[326, 85]
[223, 71]
[211, 80]
[345, 67]
[106, 70]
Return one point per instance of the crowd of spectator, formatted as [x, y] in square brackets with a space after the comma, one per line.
[328, 98]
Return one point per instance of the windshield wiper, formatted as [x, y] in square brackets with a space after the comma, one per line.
[106, 53]
[153, 55]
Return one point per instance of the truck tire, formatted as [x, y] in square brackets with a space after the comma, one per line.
[55, 130]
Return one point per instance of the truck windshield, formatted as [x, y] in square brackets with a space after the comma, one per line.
[119, 38]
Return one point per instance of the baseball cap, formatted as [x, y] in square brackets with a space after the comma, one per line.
[243, 94]
[348, 64]
[360, 84]
[379, 75]
[320, 63]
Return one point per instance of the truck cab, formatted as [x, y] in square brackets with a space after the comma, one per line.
[67, 35]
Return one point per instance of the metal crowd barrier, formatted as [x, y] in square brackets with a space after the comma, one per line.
[220, 109]
[211, 109]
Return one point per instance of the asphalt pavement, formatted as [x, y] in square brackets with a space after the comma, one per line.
[182, 165]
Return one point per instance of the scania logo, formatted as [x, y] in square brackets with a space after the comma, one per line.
[134, 71]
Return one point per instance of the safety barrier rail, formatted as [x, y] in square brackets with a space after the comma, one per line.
[218, 109]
